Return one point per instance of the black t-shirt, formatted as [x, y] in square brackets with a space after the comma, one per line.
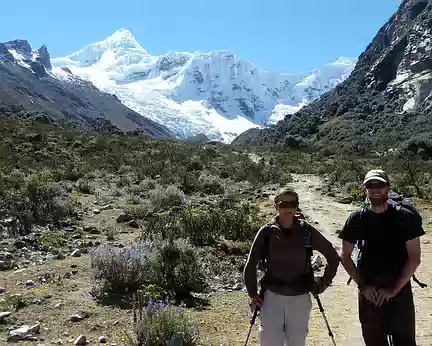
[382, 238]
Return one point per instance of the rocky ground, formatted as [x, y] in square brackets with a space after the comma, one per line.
[48, 283]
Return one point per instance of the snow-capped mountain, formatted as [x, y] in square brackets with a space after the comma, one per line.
[20, 52]
[213, 93]
[27, 83]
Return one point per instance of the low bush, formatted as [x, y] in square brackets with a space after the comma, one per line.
[164, 198]
[171, 265]
[35, 200]
[157, 323]
[205, 225]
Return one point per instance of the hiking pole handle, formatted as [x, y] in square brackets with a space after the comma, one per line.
[254, 316]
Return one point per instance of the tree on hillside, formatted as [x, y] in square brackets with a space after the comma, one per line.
[412, 171]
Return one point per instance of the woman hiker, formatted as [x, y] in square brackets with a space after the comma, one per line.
[286, 303]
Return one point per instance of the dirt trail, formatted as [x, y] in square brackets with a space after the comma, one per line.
[340, 300]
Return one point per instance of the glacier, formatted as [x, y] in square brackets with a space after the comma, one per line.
[212, 93]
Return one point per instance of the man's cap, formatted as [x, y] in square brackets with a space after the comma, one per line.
[376, 174]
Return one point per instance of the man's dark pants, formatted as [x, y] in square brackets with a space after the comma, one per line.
[395, 317]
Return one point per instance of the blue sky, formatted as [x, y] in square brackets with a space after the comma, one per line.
[275, 35]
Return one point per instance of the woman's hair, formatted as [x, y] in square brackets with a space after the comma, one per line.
[286, 191]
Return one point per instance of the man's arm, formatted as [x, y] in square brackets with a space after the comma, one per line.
[369, 292]
[413, 261]
[347, 262]
[413, 232]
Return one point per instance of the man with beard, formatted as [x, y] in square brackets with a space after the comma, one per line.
[388, 236]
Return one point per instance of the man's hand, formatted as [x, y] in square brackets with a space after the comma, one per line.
[384, 295]
[370, 294]
[256, 301]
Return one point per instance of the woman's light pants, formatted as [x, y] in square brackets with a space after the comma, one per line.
[285, 319]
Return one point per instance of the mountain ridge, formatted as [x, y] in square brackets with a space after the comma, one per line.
[385, 103]
[26, 80]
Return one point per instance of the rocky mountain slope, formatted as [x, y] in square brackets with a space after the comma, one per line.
[214, 93]
[386, 100]
[26, 79]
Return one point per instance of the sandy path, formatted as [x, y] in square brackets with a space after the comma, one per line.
[340, 300]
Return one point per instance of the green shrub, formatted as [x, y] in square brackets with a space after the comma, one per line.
[165, 198]
[211, 185]
[206, 225]
[37, 201]
[356, 191]
[171, 265]
[138, 211]
[85, 186]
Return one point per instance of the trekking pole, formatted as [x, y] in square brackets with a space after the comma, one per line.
[390, 340]
[252, 322]
[325, 318]
[254, 316]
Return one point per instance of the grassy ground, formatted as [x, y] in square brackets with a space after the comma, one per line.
[223, 321]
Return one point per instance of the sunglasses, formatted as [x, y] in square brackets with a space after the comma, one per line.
[377, 185]
[287, 204]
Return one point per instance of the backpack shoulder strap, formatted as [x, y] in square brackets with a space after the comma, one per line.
[265, 246]
[307, 240]
[307, 243]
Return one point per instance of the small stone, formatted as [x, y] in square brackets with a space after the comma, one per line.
[345, 200]
[66, 334]
[4, 315]
[79, 316]
[102, 340]
[106, 207]
[316, 262]
[76, 253]
[58, 305]
[124, 218]
[133, 224]
[96, 211]
[24, 333]
[4, 265]
[237, 287]
[81, 340]
[115, 323]
[57, 342]
[29, 283]
[76, 318]
[60, 256]
[92, 230]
